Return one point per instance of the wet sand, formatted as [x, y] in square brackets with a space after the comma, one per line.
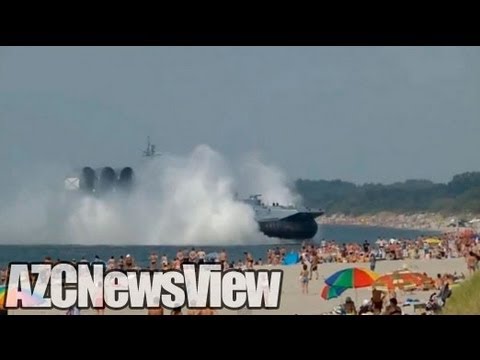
[294, 302]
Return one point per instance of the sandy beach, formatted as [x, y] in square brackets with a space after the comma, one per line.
[421, 221]
[294, 302]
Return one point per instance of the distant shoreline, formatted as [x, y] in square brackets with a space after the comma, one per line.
[421, 221]
[385, 227]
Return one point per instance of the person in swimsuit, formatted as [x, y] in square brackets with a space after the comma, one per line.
[121, 263]
[222, 257]
[471, 262]
[377, 300]
[164, 260]
[248, 260]
[314, 265]
[438, 282]
[192, 256]
[304, 277]
[201, 256]
[153, 261]
[111, 263]
[180, 256]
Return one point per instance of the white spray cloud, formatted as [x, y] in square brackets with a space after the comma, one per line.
[177, 201]
[267, 180]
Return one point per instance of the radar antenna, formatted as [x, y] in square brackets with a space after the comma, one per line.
[150, 152]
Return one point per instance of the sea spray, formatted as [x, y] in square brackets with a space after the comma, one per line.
[177, 200]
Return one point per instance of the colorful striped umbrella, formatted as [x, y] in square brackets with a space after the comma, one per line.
[2, 297]
[401, 280]
[351, 278]
[331, 292]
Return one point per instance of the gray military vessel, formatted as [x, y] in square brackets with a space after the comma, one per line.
[285, 222]
[275, 220]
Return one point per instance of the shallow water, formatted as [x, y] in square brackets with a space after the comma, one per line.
[340, 233]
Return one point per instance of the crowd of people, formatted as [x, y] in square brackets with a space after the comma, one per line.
[380, 303]
[386, 303]
[448, 245]
[310, 256]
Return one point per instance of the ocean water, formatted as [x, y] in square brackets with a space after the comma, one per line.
[339, 233]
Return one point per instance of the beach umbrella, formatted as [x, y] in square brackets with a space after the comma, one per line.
[401, 280]
[331, 292]
[433, 241]
[352, 278]
[2, 297]
[291, 259]
[27, 300]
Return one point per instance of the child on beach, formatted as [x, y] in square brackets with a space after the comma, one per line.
[304, 278]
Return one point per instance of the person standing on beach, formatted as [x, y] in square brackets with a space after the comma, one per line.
[377, 301]
[111, 263]
[314, 265]
[222, 257]
[366, 246]
[192, 256]
[471, 262]
[373, 261]
[438, 282]
[121, 263]
[180, 256]
[164, 260]
[248, 260]
[304, 279]
[201, 256]
[153, 261]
